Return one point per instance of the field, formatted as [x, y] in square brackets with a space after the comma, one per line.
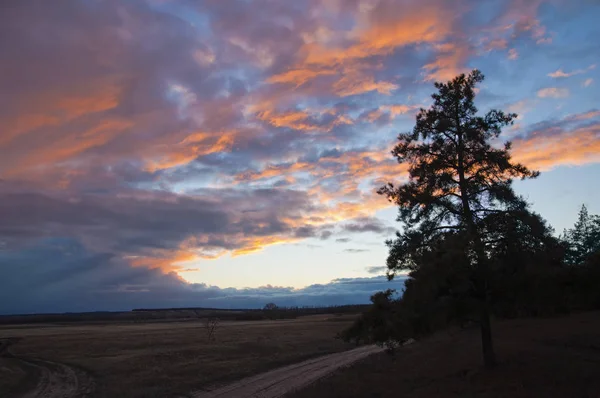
[157, 359]
[545, 357]
[552, 357]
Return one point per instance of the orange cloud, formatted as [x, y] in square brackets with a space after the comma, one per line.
[358, 83]
[192, 146]
[293, 119]
[376, 37]
[165, 260]
[253, 245]
[546, 151]
[47, 109]
[305, 120]
[298, 77]
[425, 26]
[271, 171]
[196, 248]
[393, 110]
[449, 62]
[63, 146]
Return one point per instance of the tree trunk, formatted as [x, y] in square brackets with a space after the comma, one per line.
[487, 345]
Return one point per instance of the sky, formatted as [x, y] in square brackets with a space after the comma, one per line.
[226, 153]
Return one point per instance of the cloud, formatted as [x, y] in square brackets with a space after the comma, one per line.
[376, 269]
[368, 224]
[588, 82]
[543, 146]
[559, 73]
[356, 250]
[158, 136]
[157, 230]
[449, 62]
[318, 121]
[59, 275]
[340, 60]
[553, 92]
[513, 54]
[388, 112]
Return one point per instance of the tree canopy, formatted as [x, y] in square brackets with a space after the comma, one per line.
[456, 176]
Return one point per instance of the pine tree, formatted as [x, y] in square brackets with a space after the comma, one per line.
[584, 238]
[457, 178]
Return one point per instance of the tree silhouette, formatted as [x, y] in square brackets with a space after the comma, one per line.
[584, 238]
[270, 307]
[526, 261]
[382, 323]
[456, 180]
[210, 325]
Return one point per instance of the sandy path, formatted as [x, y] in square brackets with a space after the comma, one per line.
[280, 381]
[50, 379]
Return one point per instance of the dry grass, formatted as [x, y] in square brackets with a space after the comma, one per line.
[167, 359]
[558, 357]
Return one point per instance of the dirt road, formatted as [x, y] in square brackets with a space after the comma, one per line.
[57, 380]
[278, 382]
[48, 379]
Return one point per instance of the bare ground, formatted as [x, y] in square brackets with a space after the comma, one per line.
[276, 383]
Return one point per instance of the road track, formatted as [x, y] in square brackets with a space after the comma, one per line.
[278, 382]
[49, 379]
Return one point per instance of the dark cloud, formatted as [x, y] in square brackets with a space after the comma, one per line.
[326, 234]
[557, 126]
[137, 224]
[59, 274]
[376, 269]
[356, 250]
[368, 224]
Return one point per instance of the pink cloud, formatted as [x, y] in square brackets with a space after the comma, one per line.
[553, 92]
[559, 73]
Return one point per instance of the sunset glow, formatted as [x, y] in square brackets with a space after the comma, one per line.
[227, 153]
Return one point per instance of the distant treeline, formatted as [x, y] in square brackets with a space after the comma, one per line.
[181, 314]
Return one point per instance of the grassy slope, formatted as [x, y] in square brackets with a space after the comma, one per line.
[157, 360]
[558, 357]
